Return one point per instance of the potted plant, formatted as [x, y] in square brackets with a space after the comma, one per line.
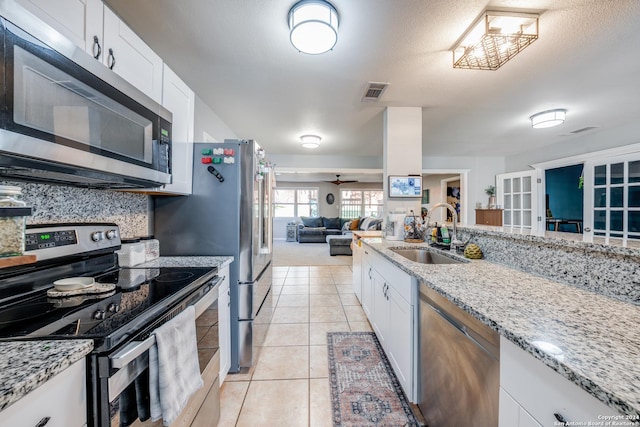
[491, 192]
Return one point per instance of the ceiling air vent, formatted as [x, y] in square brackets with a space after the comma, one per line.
[585, 129]
[374, 91]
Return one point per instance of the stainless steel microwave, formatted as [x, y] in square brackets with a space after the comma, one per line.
[65, 118]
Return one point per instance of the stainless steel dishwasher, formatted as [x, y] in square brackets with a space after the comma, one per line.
[459, 365]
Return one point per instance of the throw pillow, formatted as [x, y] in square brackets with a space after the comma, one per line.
[364, 224]
[354, 224]
[311, 221]
[331, 223]
[346, 226]
[375, 224]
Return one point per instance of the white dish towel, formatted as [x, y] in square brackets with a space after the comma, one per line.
[174, 372]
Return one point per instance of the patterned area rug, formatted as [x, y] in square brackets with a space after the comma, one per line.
[364, 388]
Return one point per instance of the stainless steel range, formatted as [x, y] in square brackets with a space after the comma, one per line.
[119, 322]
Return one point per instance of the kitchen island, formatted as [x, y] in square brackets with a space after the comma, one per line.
[598, 337]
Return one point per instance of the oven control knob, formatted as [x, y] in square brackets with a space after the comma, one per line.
[98, 314]
[96, 236]
[113, 308]
[111, 234]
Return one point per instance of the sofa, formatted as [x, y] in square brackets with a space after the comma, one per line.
[317, 229]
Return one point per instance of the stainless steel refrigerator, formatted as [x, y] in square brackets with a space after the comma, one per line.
[228, 213]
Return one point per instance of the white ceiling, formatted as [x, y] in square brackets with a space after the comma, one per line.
[237, 57]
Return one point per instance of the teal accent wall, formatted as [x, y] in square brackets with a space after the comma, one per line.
[564, 197]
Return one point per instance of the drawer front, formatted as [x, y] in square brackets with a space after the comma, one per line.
[542, 392]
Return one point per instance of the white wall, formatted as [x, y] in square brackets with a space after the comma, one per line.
[324, 209]
[206, 120]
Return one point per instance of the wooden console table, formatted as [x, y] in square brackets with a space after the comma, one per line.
[489, 217]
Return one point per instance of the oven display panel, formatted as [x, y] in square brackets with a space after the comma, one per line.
[51, 239]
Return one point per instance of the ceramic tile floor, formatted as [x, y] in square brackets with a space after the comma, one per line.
[289, 384]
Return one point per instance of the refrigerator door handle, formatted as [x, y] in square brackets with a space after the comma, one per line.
[245, 301]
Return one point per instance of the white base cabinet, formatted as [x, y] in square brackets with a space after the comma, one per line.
[531, 393]
[224, 324]
[356, 268]
[62, 399]
[389, 299]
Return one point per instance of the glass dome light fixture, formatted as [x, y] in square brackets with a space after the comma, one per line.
[310, 141]
[548, 118]
[313, 26]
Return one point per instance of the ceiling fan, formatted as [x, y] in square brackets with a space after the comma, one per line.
[337, 181]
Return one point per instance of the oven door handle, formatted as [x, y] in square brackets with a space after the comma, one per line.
[131, 351]
[135, 348]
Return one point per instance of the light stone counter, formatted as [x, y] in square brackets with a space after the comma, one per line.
[188, 261]
[26, 365]
[599, 336]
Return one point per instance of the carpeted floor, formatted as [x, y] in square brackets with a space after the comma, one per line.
[364, 389]
[294, 253]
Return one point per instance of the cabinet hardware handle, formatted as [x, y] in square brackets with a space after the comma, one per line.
[43, 422]
[369, 273]
[587, 229]
[560, 418]
[96, 46]
[111, 62]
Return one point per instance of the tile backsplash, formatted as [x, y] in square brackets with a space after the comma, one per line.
[56, 204]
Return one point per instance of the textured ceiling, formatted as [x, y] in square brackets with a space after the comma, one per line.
[237, 57]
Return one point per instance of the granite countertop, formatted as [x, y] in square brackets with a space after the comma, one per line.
[598, 336]
[26, 365]
[188, 261]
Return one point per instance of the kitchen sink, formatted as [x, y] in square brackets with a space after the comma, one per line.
[425, 256]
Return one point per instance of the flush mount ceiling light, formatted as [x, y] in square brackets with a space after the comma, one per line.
[495, 38]
[549, 118]
[310, 141]
[313, 26]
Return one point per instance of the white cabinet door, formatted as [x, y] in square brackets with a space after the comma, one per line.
[62, 399]
[77, 20]
[130, 57]
[367, 286]
[400, 337]
[178, 98]
[224, 325]
[380, 319]
[356, 268]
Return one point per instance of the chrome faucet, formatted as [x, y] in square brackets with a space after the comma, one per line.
[454, 234]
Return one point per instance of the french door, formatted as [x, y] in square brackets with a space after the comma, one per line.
[518, 197]
[612, 199]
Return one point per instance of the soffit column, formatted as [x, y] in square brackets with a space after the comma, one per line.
[402, 153]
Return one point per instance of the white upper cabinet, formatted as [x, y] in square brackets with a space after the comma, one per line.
[130, 57]
[78, 20]
[178, 98]
[96, 29]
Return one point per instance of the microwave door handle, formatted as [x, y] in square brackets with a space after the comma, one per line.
[97, 49]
